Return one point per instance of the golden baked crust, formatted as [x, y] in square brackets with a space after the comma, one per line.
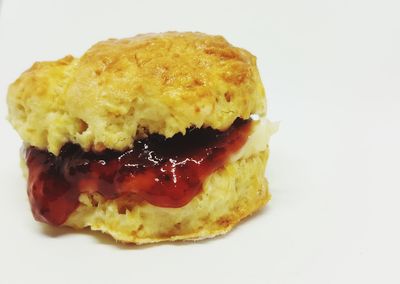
[120, 90]
[229, 195]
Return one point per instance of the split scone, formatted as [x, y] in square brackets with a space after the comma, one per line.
[151, 138]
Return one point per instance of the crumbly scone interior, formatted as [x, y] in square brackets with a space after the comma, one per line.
[229, 195]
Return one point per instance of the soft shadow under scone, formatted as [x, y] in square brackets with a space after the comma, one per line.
[122, 91]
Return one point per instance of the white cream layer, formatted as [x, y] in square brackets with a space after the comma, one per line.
[258, 139]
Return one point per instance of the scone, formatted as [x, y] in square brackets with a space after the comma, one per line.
[151, 138]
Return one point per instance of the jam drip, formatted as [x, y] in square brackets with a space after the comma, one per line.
[164, 172]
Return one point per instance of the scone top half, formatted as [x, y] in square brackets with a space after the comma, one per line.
[123, 90]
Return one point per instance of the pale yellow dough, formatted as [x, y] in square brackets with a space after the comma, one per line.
[122, 90]
[229, 195]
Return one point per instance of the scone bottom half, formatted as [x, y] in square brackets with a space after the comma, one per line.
[182, 176]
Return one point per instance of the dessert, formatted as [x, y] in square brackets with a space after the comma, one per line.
[151, 138]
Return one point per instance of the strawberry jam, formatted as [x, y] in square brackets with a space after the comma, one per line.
[164, 172]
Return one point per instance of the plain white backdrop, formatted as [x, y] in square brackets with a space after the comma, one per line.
[332, 74]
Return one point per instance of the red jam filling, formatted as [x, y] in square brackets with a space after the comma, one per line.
[164, 172]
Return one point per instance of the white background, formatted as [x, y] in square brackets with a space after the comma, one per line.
[332, 74]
